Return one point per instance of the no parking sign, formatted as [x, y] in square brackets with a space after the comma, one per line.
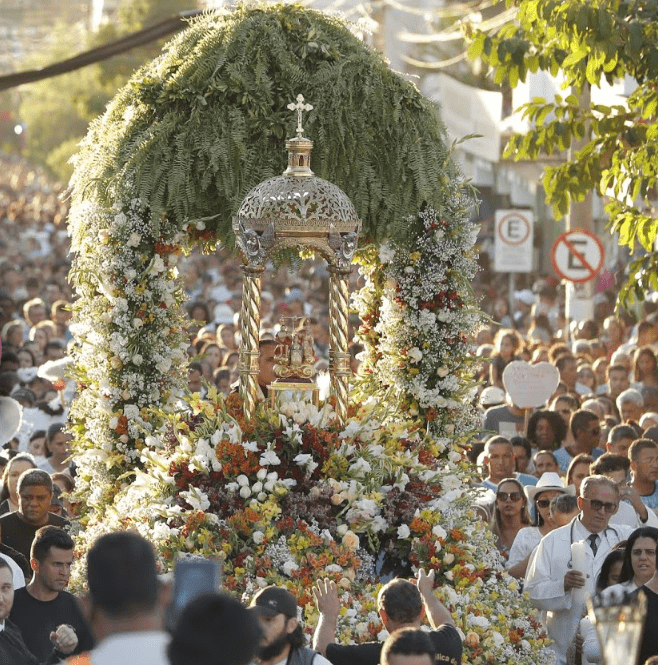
[577, 255]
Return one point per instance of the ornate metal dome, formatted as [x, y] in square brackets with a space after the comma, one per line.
[296, 209]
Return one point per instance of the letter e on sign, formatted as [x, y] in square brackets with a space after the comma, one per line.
[513, 241]
[577, 255]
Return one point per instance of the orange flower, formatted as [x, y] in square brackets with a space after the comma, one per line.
[419, 525]
[251, 514]
[122, 425]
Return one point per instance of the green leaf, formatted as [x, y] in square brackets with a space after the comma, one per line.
[576, 56]
[477, 47]
[647, 232]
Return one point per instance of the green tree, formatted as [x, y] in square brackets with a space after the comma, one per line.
[589, 42]
[57, 111]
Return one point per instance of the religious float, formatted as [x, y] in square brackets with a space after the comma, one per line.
[372, 481]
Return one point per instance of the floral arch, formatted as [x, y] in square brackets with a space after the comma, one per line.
[288, 496]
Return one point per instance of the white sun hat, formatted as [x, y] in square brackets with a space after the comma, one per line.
[549, 482]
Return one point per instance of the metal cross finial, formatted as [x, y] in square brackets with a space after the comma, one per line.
[299, 107]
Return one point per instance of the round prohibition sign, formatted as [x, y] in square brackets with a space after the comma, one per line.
[509, 224]
[576, 252]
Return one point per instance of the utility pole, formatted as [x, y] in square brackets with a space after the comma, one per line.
[580, 297]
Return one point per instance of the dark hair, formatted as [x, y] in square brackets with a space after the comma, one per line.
[29, 351]
[554, 419]
[580, 419]
[496, 440]
[65, 479]
[401, 601]
[638, 446]
[221, 373]
[199, 303]
[619, 432]
[524, 443]
[644, 351]
[47, 537]
[581, 458]
[613, 557]
[609, 462]
[5, 564]
[54, 430]
[297, 639]
[214, 629]
[496, 518]
[573, 401]
[627, 572]
[407, 641]
[53, 344]
[563, 359]
[35, 478]
[564, 504]
[121, 574]
[545, 452]
[21, 457]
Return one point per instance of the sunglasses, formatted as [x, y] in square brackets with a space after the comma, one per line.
[512, 496]
[596, 430]
[543, 503]
[608, 506]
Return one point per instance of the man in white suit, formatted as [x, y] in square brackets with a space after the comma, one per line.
[550, 580]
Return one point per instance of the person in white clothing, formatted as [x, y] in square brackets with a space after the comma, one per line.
[632, 510]
[540, 495]
[125, 606]
[551, 581]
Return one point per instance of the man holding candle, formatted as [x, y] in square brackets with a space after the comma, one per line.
[563, 569]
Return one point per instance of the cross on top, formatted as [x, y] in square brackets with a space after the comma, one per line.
[299, 107]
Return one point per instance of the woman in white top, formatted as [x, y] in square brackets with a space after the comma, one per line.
[539, 495]
[638, 567]
[510, 514]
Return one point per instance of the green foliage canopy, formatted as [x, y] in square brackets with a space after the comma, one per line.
[207, 121]
[588, 42]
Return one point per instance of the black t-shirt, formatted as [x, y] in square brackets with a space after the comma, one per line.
[20, 560]
[446, 640]
[17, 533]
[37, 618]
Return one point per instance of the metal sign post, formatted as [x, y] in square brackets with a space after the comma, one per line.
[577, 256]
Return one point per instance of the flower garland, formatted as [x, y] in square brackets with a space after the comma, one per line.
[415, 319]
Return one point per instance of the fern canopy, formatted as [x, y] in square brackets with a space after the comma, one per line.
[205, 122]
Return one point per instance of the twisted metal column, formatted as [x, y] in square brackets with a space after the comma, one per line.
[249, 331]
[339, 357]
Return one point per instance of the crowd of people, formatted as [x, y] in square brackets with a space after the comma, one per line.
[584, 463]
[580, 468]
